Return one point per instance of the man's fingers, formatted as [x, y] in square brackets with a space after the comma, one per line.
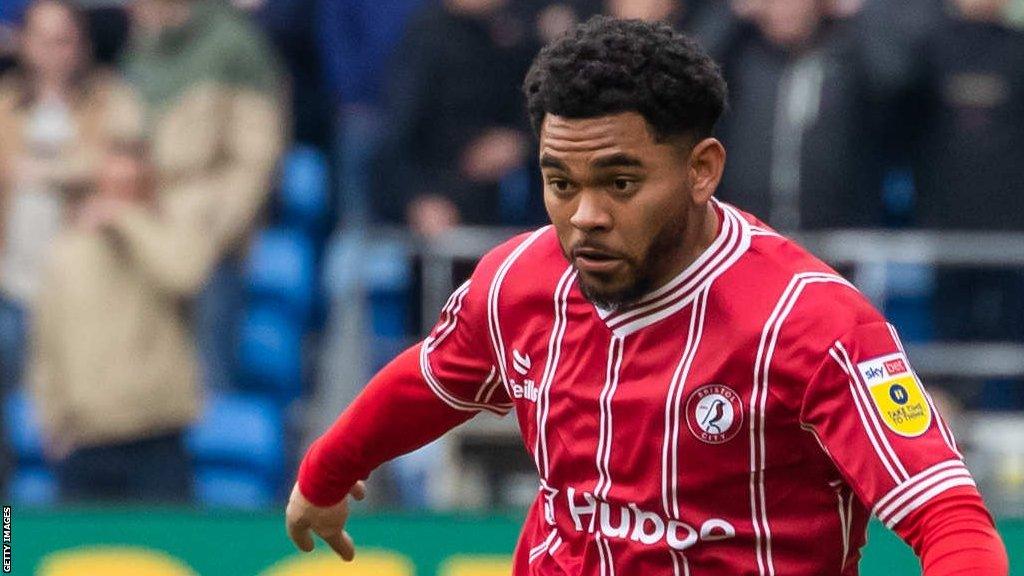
[301, 537]
[342, 544]
[359, 490]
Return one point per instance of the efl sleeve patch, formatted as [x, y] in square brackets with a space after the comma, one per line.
[897, 394]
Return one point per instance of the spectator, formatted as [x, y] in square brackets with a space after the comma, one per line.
[970, 94]
[650, 10]
[55, 111]
[803, 149]
[290, 26]
[213, 93]
[456, 120]
[108, 27]
[966, 87]
[356, 39]
[113, 369]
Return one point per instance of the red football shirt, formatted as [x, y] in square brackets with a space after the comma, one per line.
[743, 419]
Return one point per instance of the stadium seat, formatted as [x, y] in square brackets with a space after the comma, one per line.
[282, 269]
[22, 428]
[270, 354]
[243, 432]
[305, 189]
[33, 486]
[220, 487]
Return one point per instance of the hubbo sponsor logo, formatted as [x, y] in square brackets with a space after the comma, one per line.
[592, 515]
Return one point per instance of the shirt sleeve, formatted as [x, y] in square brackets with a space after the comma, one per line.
[954, 535]
[873, 417]
[457, 360]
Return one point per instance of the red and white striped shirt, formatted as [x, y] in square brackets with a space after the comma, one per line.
[755, 402]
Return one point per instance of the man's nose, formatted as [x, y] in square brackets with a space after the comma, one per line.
[591, 213]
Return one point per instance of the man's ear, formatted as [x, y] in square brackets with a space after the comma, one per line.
[706, 164]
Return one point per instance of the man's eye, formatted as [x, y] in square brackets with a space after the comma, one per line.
[624, 185]
[559, 185]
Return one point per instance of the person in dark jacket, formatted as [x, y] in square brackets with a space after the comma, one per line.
[803, 150]
[457, 131]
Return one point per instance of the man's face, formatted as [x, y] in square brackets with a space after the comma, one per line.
[53, 44]
[153, 17]
[618, 200]
[790, 23]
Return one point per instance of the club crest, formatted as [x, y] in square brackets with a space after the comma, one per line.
[714, 413]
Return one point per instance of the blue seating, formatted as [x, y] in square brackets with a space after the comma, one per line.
[34, 486]
[222, 487]
[304, 193]
[282, 269]
[33, 483]
[270, 352]
[22, 428]
[242, 434]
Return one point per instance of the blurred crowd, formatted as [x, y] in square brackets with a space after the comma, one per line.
[142, 144]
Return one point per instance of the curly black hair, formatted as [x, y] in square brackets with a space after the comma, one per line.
[606, 66]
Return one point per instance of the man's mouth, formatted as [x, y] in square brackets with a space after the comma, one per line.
[595, 260]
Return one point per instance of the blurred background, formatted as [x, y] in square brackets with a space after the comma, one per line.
[217, 220]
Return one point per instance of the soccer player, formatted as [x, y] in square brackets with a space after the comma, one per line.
[700, 395]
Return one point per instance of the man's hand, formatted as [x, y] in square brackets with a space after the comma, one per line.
[493, 154]
[100, 211]
[328, 523]
[431, 215]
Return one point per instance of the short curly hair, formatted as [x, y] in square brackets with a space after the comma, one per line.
[607, 66]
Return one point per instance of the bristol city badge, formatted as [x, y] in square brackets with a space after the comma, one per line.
[714, 413]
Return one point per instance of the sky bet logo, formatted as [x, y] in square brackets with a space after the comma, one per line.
[873, 372]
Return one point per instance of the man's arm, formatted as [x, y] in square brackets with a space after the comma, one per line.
[396, 414]
[426, 391]
[954, 535]
[877, 423]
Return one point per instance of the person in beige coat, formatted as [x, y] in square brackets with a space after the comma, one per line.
[114, 371]
[215, 101]
[56, 110]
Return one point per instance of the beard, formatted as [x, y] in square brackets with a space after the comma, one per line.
[639, 276]
[615, 299]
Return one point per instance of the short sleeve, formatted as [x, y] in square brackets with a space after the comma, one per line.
[456, 358]
[879, 426]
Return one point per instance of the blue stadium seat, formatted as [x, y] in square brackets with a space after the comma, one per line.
[305, 188]
[243, 432]
[270, 356]
[21, 425]
[33, 486]
[221, 487]
[282, 269]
